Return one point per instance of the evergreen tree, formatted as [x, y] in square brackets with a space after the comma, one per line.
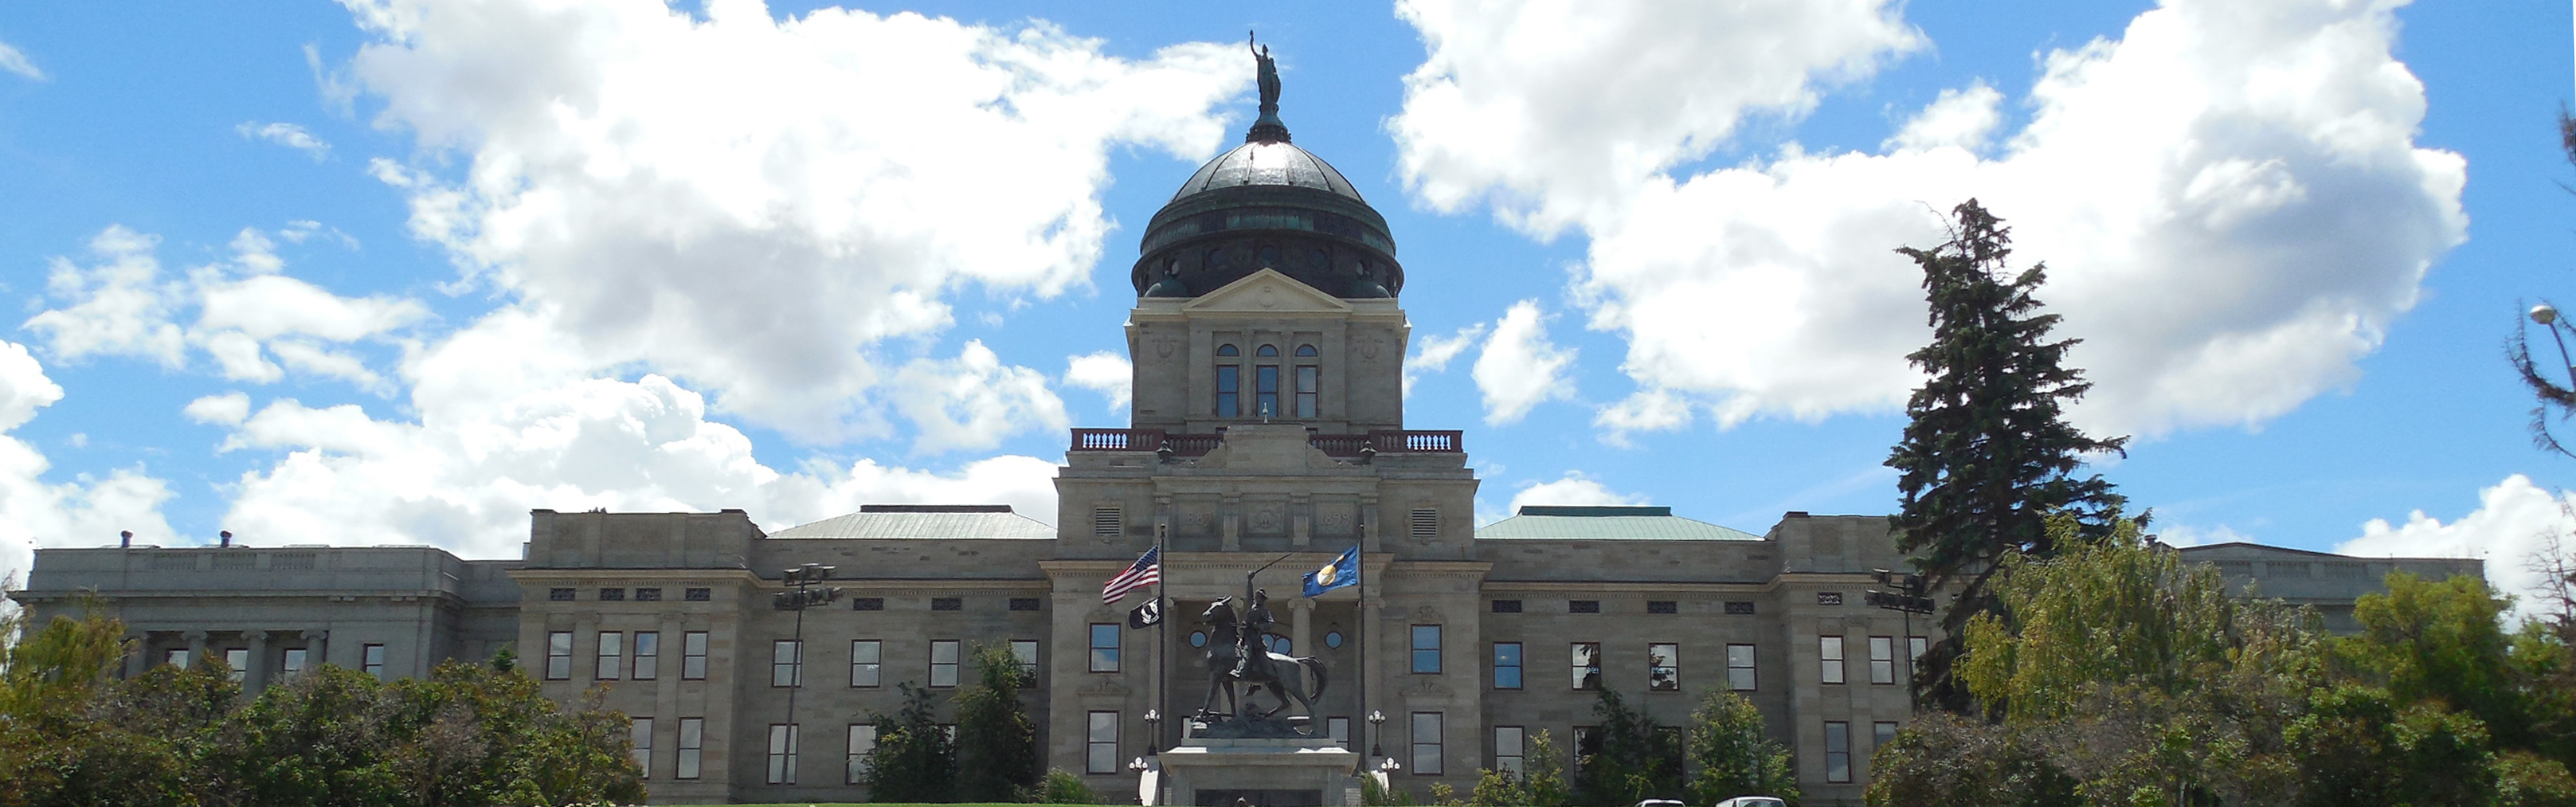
[913, 762]
[997, 743]
[1735, 754]
[1986, 457]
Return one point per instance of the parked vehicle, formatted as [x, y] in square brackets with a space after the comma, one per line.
[1752, 801]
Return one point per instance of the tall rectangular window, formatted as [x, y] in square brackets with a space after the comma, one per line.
[1880, 735]
[1265, 381]
[1426, 744]
[639, 731]
[693, 735]
[1830, 650]
[1837, 751]
[867, 662]
[1229, 390]
[1426, 649]
[558, 655]
[782, 753]
[1510, 748]
[1507, 665]
[1309, 381]
[371, 660]
[943, 662]
[1915, 647]
[294, 661]
[1339, 728]
[786, 663]
[237, 660]
[863, 739]
[612, 655]
[1024, 652]
[1104, 647]
[648, 655]
[1100, 743]
[1882, 659]
[175, 657]
[1739, 667]
[693, 655]
[1663, 667]
[1586, 662]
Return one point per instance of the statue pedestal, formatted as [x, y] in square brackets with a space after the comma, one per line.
[1266, 771]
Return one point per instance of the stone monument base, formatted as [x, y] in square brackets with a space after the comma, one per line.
[1265, 772]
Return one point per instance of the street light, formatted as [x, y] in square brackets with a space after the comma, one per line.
[806, 595]
[2546, 316]
[1376, 719]
[1153, 731]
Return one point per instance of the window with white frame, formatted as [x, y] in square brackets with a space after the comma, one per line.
[863, 740]
[693, 735]
[786, 663]
[1663, 667]
[1882, 659]
[867, 662]
[1739, 667]
[558, 655]
[612, 655]
[944, 655]
[1830, 650]
[1427, 733]
[1100, 743]
[640, 732]
[782, 753]
[1511, 746]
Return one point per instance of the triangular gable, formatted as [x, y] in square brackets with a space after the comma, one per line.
[1268, 291]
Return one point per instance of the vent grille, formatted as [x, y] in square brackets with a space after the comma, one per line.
[1425, 524]
[1507, 606]
[1740, 607]
[1583, 606]
[293, 560]
[1829, 598]
[1663, 607]
[1108, 522]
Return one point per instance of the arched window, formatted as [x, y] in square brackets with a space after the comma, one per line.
[1265, 383]
[1229, 382]
[1305, 351]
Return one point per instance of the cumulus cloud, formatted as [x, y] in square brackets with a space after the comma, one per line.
[1647, 410]
[86, 511]
[1519, 367]
[1572, 489]
[15, 61]
[2228, 195]
[245, 312]
[1103, 372]
[753, 204]
[2514, 520]
[1555, 110]
[1433, 353]
[288, 135]
[973, 401]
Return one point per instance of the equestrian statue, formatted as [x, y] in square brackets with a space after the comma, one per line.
[1235, 655]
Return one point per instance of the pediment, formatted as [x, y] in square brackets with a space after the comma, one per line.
[1268, 291]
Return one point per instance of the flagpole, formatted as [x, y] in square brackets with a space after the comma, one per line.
[1162, 634]
[1360, 607]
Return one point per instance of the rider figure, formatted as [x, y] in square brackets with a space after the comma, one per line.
[1250, 650]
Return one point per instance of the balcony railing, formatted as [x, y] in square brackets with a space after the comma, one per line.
[1383, 441]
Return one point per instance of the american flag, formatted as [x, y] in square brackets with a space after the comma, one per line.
[1147, 571]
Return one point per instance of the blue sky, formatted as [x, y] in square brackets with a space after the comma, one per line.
[396, 272]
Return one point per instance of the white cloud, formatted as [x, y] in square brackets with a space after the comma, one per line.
[87, 511]
[1556, 110]
[2188, 535]
[1103, 372]
[1433, 353]
[1572, 489]
[2228, 196]
[1519, 367]
[15, 61]
[1646, 411]
[754, 204]
[2513, 520]
[229, 409]
[288, 135]
[245, 311]
[1959, 118]
[973, 401]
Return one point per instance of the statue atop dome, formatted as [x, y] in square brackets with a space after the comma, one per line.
[1268, 128]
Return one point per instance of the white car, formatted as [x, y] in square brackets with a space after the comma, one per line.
[1752, 801]
[1660, 803]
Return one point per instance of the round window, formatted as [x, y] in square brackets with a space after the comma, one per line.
[1280, 645]
[1333, 640]
[1198, 638]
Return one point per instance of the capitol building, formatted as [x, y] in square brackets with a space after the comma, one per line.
[1268, 428]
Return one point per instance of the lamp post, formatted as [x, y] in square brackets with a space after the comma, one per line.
[805, 595]
[2546, 316]
[1376, 721]
[1153, 732]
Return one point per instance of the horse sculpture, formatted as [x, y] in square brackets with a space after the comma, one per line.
[1281, 674]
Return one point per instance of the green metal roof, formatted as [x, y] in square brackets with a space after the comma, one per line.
[923, 521]
[1607, 524]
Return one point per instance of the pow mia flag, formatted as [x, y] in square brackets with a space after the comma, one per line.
[1147, 615]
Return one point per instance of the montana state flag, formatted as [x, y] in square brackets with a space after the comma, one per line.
[1343, 571]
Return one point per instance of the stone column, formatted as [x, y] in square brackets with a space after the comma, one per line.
[1301, 633]
[317, 644]
[139, 647]
[255, 675]
[196, 647]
